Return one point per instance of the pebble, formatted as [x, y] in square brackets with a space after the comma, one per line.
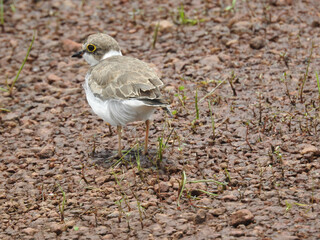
[309, 149]
[53, 78]
[57, 228]
[200, 217]
[47, 152]
[70, 46]
[241, 27]
[257, 43]
[218, 211]
[243, 216]
[29, 231]
[162, 187]
[165, 26]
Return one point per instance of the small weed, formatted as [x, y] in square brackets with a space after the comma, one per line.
[63, 204]
[230, 80]
[184, 182]
[123, 156]
[181, 95]
[1, 13]
[10, 87]
[162, 146]
[181, 187]
[290, 205]
[227, 175]
[155, 35]
[138, 159]
[196, 104]
[212, 91]
[212, 121]
[193, 123]
[318, 83]
[306, 73]
[284, 80]
[231, 7]
[76, 228]
[285, 58]
[183, 20]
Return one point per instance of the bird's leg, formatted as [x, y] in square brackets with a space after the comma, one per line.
[119, 130]
[147, 137]
[110, 129]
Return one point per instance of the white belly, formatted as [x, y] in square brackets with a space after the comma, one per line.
[118, 112]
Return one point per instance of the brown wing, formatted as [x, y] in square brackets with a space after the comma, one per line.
[122, 77]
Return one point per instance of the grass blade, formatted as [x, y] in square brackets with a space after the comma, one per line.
[318, 83]
[208, 180]
[183, 183]
[22, 65]
[1, 13]
[306, 74]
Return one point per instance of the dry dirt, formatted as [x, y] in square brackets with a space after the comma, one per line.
[258, 151]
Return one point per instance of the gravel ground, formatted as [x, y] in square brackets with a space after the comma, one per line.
[247, 168]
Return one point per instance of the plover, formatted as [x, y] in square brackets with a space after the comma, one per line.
[118, 88]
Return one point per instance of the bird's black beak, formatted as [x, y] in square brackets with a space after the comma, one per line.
[78, 54]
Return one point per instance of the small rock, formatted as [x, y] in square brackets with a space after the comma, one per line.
[243, 216]
[46, 152]
[70, 223]
[53, 78]
[309, 149]
[229, 197]
[224, 57]
[210, 61]
[236, 233]
[11, 116]
[231, 42]
[280, 2]
[180, 65]
[162, 187]
[108, 236]
[114, 214]
[101, 230]
[165, 26]
[220, 31]
[70, 46]
[241, 27]
[29, 231]
[218, 211]
[101, 180]
[57, 228]
[315, 24]
[257, 43]
[177, 235]
[200, 216]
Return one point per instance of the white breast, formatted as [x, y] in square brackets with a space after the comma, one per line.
[118, 112]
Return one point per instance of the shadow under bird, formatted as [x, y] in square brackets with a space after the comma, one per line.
[118, 88]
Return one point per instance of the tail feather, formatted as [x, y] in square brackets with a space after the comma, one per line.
[159, 103]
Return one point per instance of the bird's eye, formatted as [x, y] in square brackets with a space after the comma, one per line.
[91, 48]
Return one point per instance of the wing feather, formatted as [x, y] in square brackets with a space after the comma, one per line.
[121, 77]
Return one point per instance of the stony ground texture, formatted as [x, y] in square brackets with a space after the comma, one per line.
[247, 168]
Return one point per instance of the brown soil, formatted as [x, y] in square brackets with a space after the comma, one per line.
[57, 180]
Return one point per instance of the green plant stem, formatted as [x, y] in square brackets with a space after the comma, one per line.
[306, 73]
[208, 180]
[318, 83]
[196, 105]
[4, 110]
[24, 61]
[212, 121]
[183, 183]
[212, 91]
[1, 13]
[155, 36]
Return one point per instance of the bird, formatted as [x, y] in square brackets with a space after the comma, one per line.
[120, 89]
